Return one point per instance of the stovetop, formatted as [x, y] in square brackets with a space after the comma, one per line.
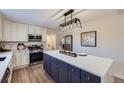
[35, 49]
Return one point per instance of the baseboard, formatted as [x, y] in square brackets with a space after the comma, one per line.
[119, 76]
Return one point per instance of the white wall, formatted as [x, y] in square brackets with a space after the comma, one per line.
[110, 40]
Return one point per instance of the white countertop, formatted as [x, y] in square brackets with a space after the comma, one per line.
[93, 64]
[5, 63]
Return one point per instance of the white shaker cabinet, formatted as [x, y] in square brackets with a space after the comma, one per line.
[7, 30]
[1, 29]
[21, 58]
[35, 30]
[24, 32]
[17, 61]
[21, 31]
[44, 34]
[24, 58]
[14, 31]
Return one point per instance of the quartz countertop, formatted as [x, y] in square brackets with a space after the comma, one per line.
[5, 63]
[96, 65]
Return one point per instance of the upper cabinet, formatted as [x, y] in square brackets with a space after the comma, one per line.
[34, 30]
[44, 34]
[13, 31]
[21, 32]
[0, 29]
[7, 30]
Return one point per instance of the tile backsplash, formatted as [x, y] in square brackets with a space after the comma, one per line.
[13, 46]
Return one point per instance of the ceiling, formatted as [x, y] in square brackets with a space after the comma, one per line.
[51, 18]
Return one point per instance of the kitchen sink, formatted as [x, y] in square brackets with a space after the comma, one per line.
[2, 58]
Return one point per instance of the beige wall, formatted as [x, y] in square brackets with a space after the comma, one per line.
[110, 40]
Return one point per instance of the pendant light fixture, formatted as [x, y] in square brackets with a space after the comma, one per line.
[70, 24]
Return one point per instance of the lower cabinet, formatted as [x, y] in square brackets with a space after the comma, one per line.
[49, 67]
[21, 58]
[54, 72]
[45, 65]
[73, 74]
[65, 73]
[87, 77]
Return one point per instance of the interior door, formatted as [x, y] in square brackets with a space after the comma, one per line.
[51, 42]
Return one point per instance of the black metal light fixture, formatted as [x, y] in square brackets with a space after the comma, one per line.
[70, 24]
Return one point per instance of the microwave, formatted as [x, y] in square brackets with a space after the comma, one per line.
[34, 38]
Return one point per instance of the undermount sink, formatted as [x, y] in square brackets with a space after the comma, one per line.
[2, 58]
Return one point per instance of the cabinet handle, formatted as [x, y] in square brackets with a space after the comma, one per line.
[88, 78]
[72, 70]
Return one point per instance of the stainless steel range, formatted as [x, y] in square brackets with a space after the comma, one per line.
[36, 53]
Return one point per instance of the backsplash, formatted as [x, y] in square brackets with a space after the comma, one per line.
[13, 46]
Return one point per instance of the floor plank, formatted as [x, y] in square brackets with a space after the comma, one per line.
[32, 74]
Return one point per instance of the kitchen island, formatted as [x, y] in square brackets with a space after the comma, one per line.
[81, 69]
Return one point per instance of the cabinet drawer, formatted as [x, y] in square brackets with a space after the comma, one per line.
[87, 77]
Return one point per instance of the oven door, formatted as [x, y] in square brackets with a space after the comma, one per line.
[36, 57]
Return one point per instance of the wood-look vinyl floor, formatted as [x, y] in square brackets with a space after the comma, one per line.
[32, 74]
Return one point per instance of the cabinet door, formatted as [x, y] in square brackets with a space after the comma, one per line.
[46, 60]
[87, 77]
[54, 71]
[38, 30]
[63, 72]
[74, 74]
[1, 29]
[24, 58]
[45, 65]
[21, 58]
[17, 61]
[44, 34]
[7, 30]
[14, 32]
[19, 32]
[35, 30]
[23, 32]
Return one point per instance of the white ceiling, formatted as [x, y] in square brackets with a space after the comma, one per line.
[51, 18]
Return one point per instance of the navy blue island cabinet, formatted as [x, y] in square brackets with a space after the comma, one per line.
[61, 72]
[74, 75]
[54, 69]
